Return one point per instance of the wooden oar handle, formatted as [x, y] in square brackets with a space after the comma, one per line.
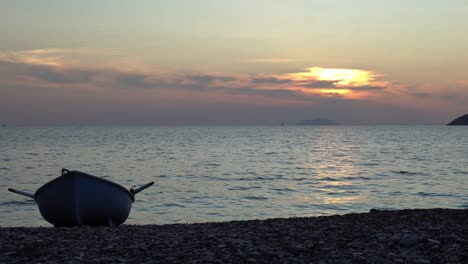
[141, 188]
[30, 195]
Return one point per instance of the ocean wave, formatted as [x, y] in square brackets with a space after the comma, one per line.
[173, 205]
[255, 197]
[24, 202]
[243, 188]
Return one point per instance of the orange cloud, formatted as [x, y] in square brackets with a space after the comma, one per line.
[52, 74]
[61, 68]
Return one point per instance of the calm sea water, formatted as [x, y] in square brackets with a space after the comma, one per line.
[230, 173]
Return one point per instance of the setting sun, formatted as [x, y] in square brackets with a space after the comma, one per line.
[343, 77]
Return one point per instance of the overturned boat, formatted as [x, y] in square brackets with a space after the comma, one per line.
[76, 198]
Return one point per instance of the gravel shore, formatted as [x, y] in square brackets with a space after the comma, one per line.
[403, 236]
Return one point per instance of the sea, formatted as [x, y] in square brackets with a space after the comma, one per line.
[225, 173]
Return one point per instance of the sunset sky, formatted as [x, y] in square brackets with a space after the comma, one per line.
[244, 62]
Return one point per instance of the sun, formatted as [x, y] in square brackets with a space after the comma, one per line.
[343, 77]
[340, 77]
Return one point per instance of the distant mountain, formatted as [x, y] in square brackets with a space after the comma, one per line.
[317, 122]
[459, 121]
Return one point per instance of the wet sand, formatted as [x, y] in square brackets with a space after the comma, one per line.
[403, 236]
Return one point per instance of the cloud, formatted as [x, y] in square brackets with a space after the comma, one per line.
[270, 60]
[50, 57]
[365, 88]
[45, 73]
[270, 80]
[37, 78]
[320, 84]
[206, 79]
[68, 76]
[132, 80]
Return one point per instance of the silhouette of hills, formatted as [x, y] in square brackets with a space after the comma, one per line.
[459, 121]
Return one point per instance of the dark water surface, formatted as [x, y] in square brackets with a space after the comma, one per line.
[231, 173]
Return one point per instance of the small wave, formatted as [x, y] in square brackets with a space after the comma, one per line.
[301, 206]
[216, 178]
[212, 164]
[356, 178]
[330, 179]
[257, 178]
[369, 164]
[255, 197]
[242, 188]
[435, 194]
[271, 153]
[242, 173]
[342, 194]
[173, 205]
[298, 179]
[213, 213]
[25, 202]
[408, 172]
[283, 190]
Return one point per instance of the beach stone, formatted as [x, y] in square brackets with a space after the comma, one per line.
[433, 242]
[395, 239]
[353, 238]
[28, 250]
[105, 260]
[280, 254]
[409, 241]
[170, 259]
[422, 261]
[359, 255]
[7, 248]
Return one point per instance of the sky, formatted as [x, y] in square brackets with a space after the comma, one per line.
[244, 62]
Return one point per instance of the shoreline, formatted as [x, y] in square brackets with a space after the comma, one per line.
[399, 236]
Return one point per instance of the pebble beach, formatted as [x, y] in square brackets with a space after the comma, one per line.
[401, 236]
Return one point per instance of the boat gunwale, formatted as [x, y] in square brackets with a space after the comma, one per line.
[40, 189]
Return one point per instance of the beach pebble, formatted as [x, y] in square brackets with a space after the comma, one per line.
[383, 237]
[7, 248]
[422, 261]
[433, 242]
[105, 260]
[409, 241]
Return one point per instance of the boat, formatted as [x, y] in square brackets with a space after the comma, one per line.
[76, 199]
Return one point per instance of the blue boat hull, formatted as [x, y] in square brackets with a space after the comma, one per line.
[77, 198]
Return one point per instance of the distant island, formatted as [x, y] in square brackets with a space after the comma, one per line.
[459, 121]
[317, 122]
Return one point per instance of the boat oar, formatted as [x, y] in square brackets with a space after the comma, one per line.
[30, 195]
[141, 188]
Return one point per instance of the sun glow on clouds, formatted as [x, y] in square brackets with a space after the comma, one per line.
[92, 69]
[48, 57]
[341, 77]
[335, 81]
